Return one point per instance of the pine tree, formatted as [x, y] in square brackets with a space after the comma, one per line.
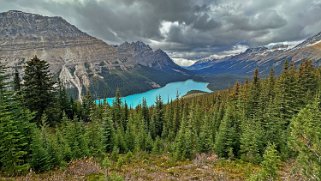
[143, 140]
[253, 104]
[125, 115]
[307, 82]
[145, 113]
[41, 159]
[75, 135]
[286, 91]
[109, 132]
[251, 141]
[130, 134]
[64, 102]
[271, 162]
[63, 142]
[287, 105]
[177, 115]
[205, 141]
[55, 150]
[157, 146]
[15, 130]
[95, 133]
[87, 106]
[158, 117]
[38, 87]
[227, 138]
[306, 140]
[16, 80]
[117, 110]
[184, 147]
[120, 142]
[152, 127]
[269, 166]
[168, 131]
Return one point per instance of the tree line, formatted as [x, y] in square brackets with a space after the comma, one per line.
[263, 121]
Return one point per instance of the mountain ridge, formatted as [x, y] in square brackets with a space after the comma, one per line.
[264, 58]
[83, 62]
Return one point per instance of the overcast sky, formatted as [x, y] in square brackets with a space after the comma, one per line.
[186, 29]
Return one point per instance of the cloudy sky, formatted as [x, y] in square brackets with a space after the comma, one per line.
[186, 29]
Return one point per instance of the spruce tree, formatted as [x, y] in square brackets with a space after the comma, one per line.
[253, 108]
[269, 166]
[15, 130]
[109, 132]
[120, 142]
[205, 141]
[117, 110]
[64, 101]
[41, 159]
[184, 147]
[95, 133]
[75, 135]
[16, 80]
[38, 87]
[168, 122]
[145, 113]
[306, 140]
[227, 138]
[307, 82]
[251, 141]
[158, 117]
[130, 134]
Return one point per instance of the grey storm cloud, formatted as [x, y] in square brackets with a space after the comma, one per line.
[185, 27]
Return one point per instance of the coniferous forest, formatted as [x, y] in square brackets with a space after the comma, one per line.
[267, 122]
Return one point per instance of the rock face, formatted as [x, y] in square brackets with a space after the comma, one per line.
[263, 58]
[83, 63]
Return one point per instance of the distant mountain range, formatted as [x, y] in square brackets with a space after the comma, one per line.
[84, 63]
[263, 58]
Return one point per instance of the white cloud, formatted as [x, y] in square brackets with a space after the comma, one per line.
[165, 27]
[290, 44]
[183, 61]
[190, 29]
[236, 49]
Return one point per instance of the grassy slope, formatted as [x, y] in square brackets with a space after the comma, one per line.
[145, 166]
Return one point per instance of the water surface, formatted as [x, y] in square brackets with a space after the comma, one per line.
[167, 93]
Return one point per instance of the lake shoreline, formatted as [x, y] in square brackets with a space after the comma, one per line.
[167, 92]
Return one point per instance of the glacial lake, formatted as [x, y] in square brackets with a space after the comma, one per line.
[167, 93]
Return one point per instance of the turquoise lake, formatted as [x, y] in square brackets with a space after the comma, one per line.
[167, 93]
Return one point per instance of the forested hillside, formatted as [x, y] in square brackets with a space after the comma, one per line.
[264, 122]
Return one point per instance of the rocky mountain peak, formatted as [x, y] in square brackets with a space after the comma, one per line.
[255, 50]
[135, 46]
[81, 61]
[16, 24]
[12, 12]
[310, 41]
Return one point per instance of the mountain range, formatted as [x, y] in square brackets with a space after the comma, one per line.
[262, 58]
[83, 62]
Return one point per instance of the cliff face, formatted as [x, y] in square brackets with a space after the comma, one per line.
[81, 61]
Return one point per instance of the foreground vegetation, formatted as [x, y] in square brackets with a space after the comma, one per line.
[260, 125]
